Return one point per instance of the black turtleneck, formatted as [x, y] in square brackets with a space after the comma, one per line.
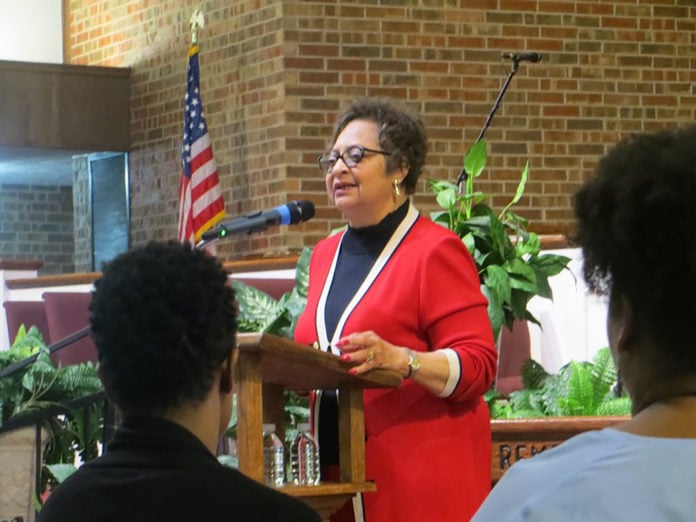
[360, 249]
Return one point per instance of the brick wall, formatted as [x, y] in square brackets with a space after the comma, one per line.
[36, 222]
[274, 74]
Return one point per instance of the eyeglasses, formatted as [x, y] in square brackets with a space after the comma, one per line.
[351, 157]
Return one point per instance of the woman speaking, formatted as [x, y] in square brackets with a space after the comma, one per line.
[396, 291]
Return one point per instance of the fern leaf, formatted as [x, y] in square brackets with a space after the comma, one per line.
[555, 386]
[527, 400]
[75, 381]
[570, 407]
[526, 414]
[603, 374]
[580, 390]
[620, 406]
[500, 410]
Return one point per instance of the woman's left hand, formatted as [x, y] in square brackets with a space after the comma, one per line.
[371, 351]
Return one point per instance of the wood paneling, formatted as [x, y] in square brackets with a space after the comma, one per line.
[71, 107]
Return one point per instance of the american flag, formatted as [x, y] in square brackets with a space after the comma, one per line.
[200, 198]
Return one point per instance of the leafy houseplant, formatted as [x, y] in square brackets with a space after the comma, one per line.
[552, 408]
[40, 385]
[40, 388]
[259, 312]
[511, 268]
[578, 389]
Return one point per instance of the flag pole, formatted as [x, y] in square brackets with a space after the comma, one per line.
[201, 204]
[197, 21]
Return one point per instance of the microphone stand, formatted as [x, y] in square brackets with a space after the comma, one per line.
[203, 243]
[463, 175]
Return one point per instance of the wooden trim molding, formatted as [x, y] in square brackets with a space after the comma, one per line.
[260, 264]
[233, 267]
[52, 280]
[517, 439]
[20, 264]
[257, 264]
[554, 241]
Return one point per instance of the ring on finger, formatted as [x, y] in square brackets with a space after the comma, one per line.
[370, 356]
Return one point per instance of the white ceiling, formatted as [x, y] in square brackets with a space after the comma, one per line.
[34, 33]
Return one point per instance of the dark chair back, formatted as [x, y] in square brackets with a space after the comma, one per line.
[515, 349]
[28, 313]
[68, 312]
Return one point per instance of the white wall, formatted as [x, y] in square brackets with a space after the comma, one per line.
[573, 326]
[32, 31]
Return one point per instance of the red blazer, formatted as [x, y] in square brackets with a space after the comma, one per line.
[430, 456]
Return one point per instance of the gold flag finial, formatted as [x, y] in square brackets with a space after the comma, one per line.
[197, 21]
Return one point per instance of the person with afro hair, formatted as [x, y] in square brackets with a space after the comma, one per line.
[163, 318]
[637, 229]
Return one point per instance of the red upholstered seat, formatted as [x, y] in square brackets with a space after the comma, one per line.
[515, 349]
[67, 313]
[28, 313]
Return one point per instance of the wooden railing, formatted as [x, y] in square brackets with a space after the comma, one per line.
[233, 267]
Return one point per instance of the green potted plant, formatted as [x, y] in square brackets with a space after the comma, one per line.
[578, 389]
[512, 270]
[511, 267]
[40, 385]
[40, 393]
[259, 312]
[551, 408]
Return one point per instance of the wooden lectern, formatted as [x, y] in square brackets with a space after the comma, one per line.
[267, 366]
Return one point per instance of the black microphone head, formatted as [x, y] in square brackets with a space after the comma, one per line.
[300, 211]
[528, 56]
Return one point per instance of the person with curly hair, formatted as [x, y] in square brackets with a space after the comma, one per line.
[163, 318]
[396, 291]
[636, 224]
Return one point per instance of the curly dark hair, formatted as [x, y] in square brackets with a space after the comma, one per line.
[636, 226]
[163, 319]
[401, 134]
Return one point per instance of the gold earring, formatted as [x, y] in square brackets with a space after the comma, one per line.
[397, 189]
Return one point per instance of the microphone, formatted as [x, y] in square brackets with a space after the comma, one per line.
[288, 214]
[523, 57]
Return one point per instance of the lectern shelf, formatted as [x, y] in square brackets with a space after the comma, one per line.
[267, 366]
